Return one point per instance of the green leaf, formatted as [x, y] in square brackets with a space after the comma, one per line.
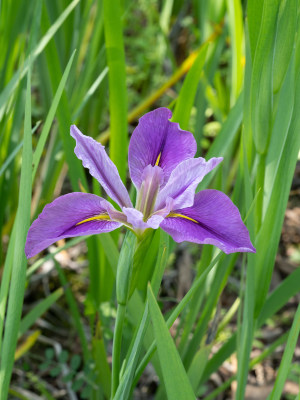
[49, 353]
[236, 35]
[75, 362]
[176, 381]
[287, 358]
[46, 128]
[18, 275]
[272, 224]
[101, 365]
[39, 310]
[261, 95]
[63, 357]
[77, 384]
[185, 100]
[197, 367]
[54, 372]
[117, 84]
[284, 43]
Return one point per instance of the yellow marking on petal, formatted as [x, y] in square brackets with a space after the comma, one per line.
[175, 215]
[102, 217]
[158, 159]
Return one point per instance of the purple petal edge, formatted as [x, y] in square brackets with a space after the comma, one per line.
[94, 157]
[155, 138]
[58, 221]
[184, 180]
[218, 223]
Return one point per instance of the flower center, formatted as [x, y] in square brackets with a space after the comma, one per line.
[152, 180]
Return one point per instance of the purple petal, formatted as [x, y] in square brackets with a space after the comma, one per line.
[152, 180]
[213, 219]
[135, 218]
[183, 182]
[58, 220]
[94, 157]
[157, 141]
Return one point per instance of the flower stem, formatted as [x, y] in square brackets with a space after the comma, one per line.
[116, 353]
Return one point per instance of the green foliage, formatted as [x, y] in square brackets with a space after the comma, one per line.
[231, 73]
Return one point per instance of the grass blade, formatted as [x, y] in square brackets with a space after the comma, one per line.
[46, 128]
[185, 100]
[17, 287]
[287, 358]
[39, 310]
[117, 84]
[176, 381]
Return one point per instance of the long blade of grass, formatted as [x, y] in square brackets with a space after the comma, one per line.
[117, 84]
[18, 278]
[185, 100]
[50, 116]
[236, 35]
[287, 358]
[5, 280]
[176, 381]
[286, 30]
[39, 310]
[261, 83]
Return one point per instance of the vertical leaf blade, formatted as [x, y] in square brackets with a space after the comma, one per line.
[176, 382]
[18, 278]
[117, 84]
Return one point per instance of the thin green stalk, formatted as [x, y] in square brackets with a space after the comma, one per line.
[287, 358]
[116, 353]
[246, 333]
[123, 282]
[260, 182]
[5, 281]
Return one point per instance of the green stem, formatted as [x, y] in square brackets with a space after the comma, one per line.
[260, 182]
[121, 312]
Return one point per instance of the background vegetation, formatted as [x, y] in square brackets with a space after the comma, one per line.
[229, 70]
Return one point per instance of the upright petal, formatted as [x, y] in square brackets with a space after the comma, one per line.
[213, 219]
[158, 141]
[73, 214]
[147, 193]
[94, 157]
[183, 182]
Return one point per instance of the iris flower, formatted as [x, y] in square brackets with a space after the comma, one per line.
[165, 173]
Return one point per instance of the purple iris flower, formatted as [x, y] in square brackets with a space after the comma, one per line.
[165, 173]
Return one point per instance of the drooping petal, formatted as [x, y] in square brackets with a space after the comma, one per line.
[158, 141]
[94, 157]
[183, 182]
[73, 214]
[213, 219]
